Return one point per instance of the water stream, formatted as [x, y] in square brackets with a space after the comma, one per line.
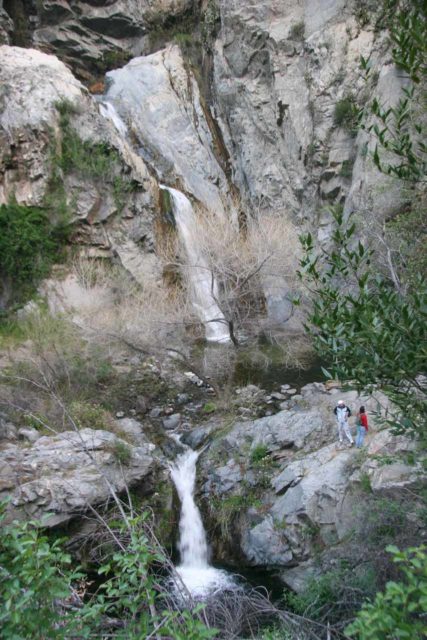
[199, 577]
[203, 285]
[107, 110]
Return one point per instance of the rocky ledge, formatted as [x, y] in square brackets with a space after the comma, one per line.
[58, 477]
[280, 491]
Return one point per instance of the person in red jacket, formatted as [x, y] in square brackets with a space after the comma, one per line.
[362, 426]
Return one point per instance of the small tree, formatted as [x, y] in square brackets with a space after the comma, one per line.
[399, 612]
[368, 332]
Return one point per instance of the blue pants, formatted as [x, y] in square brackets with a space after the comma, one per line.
[361, 433]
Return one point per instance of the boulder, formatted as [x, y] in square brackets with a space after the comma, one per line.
[59, 477]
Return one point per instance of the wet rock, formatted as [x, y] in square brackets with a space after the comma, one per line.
[265, 544]
[197, 437]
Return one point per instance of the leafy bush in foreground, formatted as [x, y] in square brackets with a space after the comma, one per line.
[399, 612]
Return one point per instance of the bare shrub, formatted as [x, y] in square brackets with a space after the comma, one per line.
[151, 316]
[248, 263]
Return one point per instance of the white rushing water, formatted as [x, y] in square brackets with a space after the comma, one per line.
[197, 575]
[108, 110]
[204, 288]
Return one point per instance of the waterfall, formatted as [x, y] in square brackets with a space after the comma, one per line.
[193, 546]
[203, 286]
[197, 575]
[108, 110]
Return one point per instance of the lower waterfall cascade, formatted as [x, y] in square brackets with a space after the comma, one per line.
[199, 577]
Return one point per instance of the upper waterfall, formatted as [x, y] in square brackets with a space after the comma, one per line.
[203, 285]
[108, 110]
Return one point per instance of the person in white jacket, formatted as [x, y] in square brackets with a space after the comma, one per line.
[342, 413]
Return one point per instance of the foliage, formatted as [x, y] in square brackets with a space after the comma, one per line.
[209, 407]
[98, 161]
[122, 452]
[406, 233]
[365, 483]
[346, 113]
[37, 590]
[30, 242]
[258, 453]
[34, 575]
[335, 595]
[88, 415]
[224, 510]
[297, 31]
[399, 612]
[400, 129]
[366, 330]
[385, 520]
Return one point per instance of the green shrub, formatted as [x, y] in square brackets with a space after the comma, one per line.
[30, 242]
[385, 519]
[297, 31]
[334, 595]
[37, 599]
[258, 453]
[365, 483]
[346, 114]
[399, 612]
[34, 574]
[90, 415]
[122, 452]
[209, 407]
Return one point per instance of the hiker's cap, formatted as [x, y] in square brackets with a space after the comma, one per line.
[341, 402]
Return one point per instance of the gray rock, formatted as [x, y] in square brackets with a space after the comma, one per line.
[182, 398]
[278, 396]
[87, 34]
[26, 433]
[265, 544]
[155, 412]
[35, 83]
[8, 431]
[195, 438]
[131, 430]
[59, 476]
[226, 477]
[172, 422]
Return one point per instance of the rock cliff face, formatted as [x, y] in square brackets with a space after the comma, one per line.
[90, 36]
[280, 68]
[278, 71]
[114, 201]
